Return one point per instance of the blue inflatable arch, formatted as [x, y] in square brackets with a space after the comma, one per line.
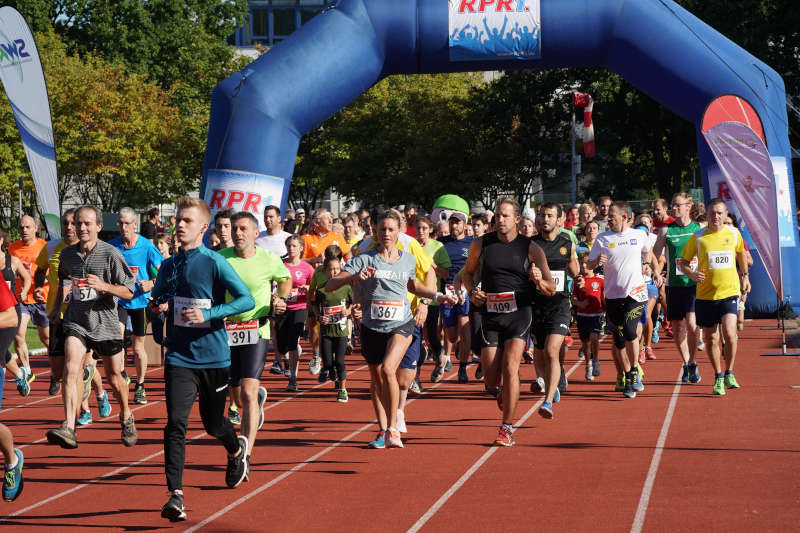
[259, 115]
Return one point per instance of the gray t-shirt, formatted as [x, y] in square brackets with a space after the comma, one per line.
[273, 243]
[90, 313]
[386, 305]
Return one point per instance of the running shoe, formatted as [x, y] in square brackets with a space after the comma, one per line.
[462, 374]
[638, 386]
[685, 374]
[174, 510]
[415, 387]
[538, 386]
[719, 387]
[12, 480]
[546, 410]
[63, 436]
[103, 406]
[654, 337]
[620, 385]
[237, 467]
[23, 386]
[562, 381]
[630, 391]
[641, 356]
[649, 354]
[129, 433]
[589, 375]
[348, 350]
[88, 375]
[31, 375]
[292, 386]
[85, 418]
[557, 396]
[504, 437]
[730, 381]
[139, 395]
[436, 375]
[262, 397]
[568, 341]
[323, 376]
[233, 415]
[581, 355]
[595, 367]
[379, 441]
[55, 387]
[401, 422]
[276, 367]
[527, 357]
[315, 365]
[479, 371]
[740, 326]
[448, 365]
[341, 396]
[394, 440]
[701, 345]
[126, 377]
[694, 373]
[287, 372]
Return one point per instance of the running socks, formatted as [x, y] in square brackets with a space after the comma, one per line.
[507, 427]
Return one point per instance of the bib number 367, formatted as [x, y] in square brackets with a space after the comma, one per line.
[386, 310]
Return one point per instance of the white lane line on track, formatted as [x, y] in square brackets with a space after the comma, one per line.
[135, 463]
[644, 500]
[474, 468]
[299, 466]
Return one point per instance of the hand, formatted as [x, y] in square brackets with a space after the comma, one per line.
[421, 314]
[580, 282]
[278, 305]
[477, 297]
[659, 280]
[356, 312]
[147, 285]
[445, 299]
[157, 308]
[39, 295]
[193, 316]
[746, 285]
[535, 274]
[366, 273]
[324, 320]
[699, 276]
[96, 283]
[602, 260]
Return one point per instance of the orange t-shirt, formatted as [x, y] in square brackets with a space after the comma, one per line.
[316, 244]
[27, 256]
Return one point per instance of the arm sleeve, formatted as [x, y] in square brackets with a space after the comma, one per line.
[242, 298]
[356, 264]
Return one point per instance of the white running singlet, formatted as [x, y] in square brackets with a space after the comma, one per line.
[623, 267]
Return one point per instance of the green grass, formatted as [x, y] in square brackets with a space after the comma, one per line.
[32, 337]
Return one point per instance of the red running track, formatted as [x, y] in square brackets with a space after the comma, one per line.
[673, 459]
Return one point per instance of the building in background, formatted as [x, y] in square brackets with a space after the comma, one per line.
[271, 21]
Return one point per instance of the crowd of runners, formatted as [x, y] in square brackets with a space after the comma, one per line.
[488, 290]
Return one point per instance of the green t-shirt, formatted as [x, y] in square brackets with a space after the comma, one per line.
[258, 272]
[435, 249]
[676, 238]
[333, 304]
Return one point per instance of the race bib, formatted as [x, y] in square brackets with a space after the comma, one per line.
[639, 293]
[134, 271]
[720, 260]
[501, 302]
[179, 303]
[559, 276]
[386, 310]
[335, 313]
[81, 292]
[693, 264]
[242, 333]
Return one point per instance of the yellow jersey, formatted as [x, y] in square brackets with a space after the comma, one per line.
[716, 257]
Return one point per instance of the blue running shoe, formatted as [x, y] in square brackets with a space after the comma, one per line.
[380, 440]
[557, 396]
[694, 373]
[23, 386]
[12, 481]
[546, 410]
[638, 386]
[103, 406]
[654, 338]
[85, 418]
[685, 374]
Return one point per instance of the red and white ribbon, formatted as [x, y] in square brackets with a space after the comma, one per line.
[585, 101]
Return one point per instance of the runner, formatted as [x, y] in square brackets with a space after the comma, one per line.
[273, 239]
[191, 289]
[150, 226]
[644, 222]
[681, 289]
[222, 229]
[480, 224]
[621, 251]
[290, 325]
[13, 481]
[719, 250]
[12, 270]
[386, 275]
[143, 259]
[590, 306]
[603, 207]
[248, 332]
[661, 216]
[95, 274]
[27, 249]
[552, 314]
[507, 262]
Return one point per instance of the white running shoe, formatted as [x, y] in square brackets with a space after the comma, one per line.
[589, 375]
[401, 422]
[393, 439]
[315, 365]
[701, 345]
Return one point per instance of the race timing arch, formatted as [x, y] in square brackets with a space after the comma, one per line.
[259, 114]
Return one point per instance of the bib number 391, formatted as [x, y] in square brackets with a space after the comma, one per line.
[242, 333]
[386, 309]
[501, 302]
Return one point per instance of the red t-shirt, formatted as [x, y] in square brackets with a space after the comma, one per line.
[7, 299]
[658, 224]
[590, 300]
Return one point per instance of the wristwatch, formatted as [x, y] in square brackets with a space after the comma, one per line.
[425, 301]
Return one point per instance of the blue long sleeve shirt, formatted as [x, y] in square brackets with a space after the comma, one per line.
[199, 278]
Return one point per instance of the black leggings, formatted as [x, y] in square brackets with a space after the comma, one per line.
[333, 352]
[182, 385]
[432, 330]
[289, 328]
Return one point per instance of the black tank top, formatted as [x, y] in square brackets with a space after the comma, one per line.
[504, 267]
[557, 253]
[9, 276]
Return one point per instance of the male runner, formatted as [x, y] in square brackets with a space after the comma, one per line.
[507, 263]
[191, 287]
[144, 260]
[621, 251]
[222, 229]
[603, 206]
[248, 332]
[681, 290]
[27, 249]
[719, 249]
[552, 314]
[95, 275]
[273, 239]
